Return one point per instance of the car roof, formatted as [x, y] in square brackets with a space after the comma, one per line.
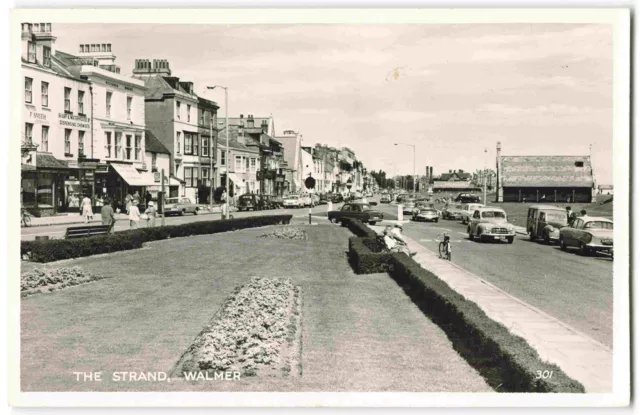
[547, 207]
[595, 219]
[488, 209]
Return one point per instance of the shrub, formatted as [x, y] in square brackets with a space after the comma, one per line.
[58, 249]
[358, 228]
[488, 345]
[367, 257]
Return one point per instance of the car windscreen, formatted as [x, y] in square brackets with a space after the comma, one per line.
[366, 208]
[494, 214]
[246, 197]
[557, 217]
[172, 200]
[428, 211]
[598, 225]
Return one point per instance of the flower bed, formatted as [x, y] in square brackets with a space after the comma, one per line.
[254, 333]
[286, 233]
[40, 281]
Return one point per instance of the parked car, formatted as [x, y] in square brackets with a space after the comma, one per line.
[467, 198]
[407, 206]
[180, 206]
[385, 198]
[467, 211]
[323, 199]
[588, 234]
[402, 197]
[337, 198]
[249, 202]
[268, 202]
[292, 201]
[544, 222]
[426, 214]
[360, 211]
[278, 200]
[315, 199]
[306, 200]
[490, 223]
[452, 211]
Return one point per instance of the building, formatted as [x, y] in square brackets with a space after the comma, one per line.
[208, 133]
[291, 144]
[159, 160]
[454, 181]
[605, 189]
[241, 160]
[308, 168]
[544, 178]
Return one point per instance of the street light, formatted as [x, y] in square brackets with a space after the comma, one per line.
[226, 133]
[414, 164]
[484, 177]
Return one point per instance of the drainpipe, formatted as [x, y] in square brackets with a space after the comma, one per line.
[91, 121]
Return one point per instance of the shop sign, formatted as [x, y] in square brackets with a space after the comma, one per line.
[157, 177]
[37, 117]
[70, 120]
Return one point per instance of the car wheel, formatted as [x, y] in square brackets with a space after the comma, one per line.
[195, 212]
[532, 236]
[546, 239]
[333, 220]
[583, 249]
[436, 221]
[182, 212]
[373, 222]
[563, 246]
[470, 234]
[510, 239]
[479, 236]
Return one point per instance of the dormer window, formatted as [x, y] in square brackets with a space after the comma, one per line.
[46, 56]
[579, 163]
[31, 52]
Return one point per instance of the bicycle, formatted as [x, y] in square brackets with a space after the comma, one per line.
[444, 248]
[25, 218]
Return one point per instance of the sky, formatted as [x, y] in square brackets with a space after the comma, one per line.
[449, 90]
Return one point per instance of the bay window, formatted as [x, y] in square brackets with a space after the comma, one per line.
[138, 146]
[187, 144]
[191, 176]
[109, 144]
[127, 147]
[194, 141]
[205, 146]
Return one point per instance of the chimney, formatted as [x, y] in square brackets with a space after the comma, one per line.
[265, 126]
[147, 67]
[250, 121]
[430, 173]
[241, 116]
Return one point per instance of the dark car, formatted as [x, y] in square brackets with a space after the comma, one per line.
[337, 198]
[249, 202]
[324, 199]
[360, 211]
[267, 202]
[467, 198]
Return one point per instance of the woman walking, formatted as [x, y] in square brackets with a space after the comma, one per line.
[87, 212]
[134, 216]
[151, 215]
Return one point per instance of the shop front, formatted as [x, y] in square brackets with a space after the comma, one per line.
[115, 180]
[171, 186]
[42, 186]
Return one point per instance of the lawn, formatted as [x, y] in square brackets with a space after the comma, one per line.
[359, 333]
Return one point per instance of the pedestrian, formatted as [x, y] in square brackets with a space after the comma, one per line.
[128, 200]
[147, 198]
[583, 213]
[87, 212]
[151, 215]
[223, 207]
[570, 216]
[134, 216]
[108, 217]
[136, 198]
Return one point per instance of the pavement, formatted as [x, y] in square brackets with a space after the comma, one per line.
[578, 355]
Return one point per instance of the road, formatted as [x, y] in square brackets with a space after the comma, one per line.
[58, 231]
[577, 290]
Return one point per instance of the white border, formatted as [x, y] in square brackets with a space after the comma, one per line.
[619, 18]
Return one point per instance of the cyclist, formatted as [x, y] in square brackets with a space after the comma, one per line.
[444, 248]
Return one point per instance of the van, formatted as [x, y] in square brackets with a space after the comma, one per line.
[468, 209]
[544, 222]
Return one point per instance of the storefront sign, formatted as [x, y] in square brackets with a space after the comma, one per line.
[37, 116]
[70, 120]
[102, 168]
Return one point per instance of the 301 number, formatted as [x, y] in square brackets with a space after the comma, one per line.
[544, 374]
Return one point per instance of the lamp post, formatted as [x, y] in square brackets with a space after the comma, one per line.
[484, 178]
[414, 164]
[211, 155]
[226, 133]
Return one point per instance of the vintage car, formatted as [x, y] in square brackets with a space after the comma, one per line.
[268, 202]
[545, 221]
[360, 211]
[407, 206]
[427, 214]
[467, 211]
[337, 198]
[452, 211]
[292, 201]
[588, 234]
[401, 198]
[323, 199]
[307, 201]
[467, 198]
[490, 223]
[250, 202]
[315, 199]
[385, 198]
[180, 206]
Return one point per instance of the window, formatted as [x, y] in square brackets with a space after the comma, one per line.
[191, 176]
[238, 163]
[81, 102]
[46, 56]
[67, 100]
[154, 159]
[28, 133]
[253, 165]
[187, 144]
[194, 140]
[67, 141]
[109, 144]
[127, 148]
[205, 146]
[109, 94]
[44, 144]
[205, 175]
[44, 90]
[138, 146]
[178, 109]
[31, 52]
[188, 113]
[80, 142]
[246, 163]
[129, 101]
[28, 90]
[579, 163]
[118, 145]
[223, 157]
[178, 143]
[201, 116]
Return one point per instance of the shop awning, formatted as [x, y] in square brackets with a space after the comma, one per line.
[132, 176]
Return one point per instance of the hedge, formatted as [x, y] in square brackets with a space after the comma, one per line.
[507, 361]
[58, 249]
[359, 228]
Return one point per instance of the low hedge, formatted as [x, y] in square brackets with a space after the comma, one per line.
[358, 228]
[366, 257]
[58, 249]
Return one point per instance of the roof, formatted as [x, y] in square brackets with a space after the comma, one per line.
[153, 145]
[546, 171]
[157, 87]
[457, 185]
[459, 175]
[594, 218]
[47, 161]
[548, 207]
[233, 140]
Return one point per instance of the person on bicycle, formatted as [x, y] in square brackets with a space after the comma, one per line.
[445, 245]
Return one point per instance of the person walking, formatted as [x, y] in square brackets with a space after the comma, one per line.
[128, 200]
[108, 217]
[87, 212]
[151, 215]
[570, 215]
[147, 198]
[134, 216]
[136, 199]
[223, 207]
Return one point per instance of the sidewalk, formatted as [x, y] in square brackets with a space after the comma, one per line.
[580, 357]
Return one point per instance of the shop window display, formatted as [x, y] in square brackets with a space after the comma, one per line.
[29, 192]
[45, 190]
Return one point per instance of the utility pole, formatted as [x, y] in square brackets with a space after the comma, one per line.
[161, 201]
[484, 177]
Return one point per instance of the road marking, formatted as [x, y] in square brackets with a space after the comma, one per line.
[444, 229]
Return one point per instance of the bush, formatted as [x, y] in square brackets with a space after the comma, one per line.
[58, 249]
[367, 257]
[358, 228]
[486, 344]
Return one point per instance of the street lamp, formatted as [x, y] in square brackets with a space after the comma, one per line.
[484, 177]
[414, 164]
[226, 133]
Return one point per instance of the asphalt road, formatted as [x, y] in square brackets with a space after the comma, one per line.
[577, 290]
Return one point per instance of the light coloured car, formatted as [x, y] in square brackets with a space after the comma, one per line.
[307, 201]
[545, 222]
[490, 223]
[315, 199]
[385, 198]
[180, 206]
[426, 214]
[588, 234]
[292, 201]
[407, 206]
[467, 211]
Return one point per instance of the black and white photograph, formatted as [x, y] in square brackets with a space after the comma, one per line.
[390, 207]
